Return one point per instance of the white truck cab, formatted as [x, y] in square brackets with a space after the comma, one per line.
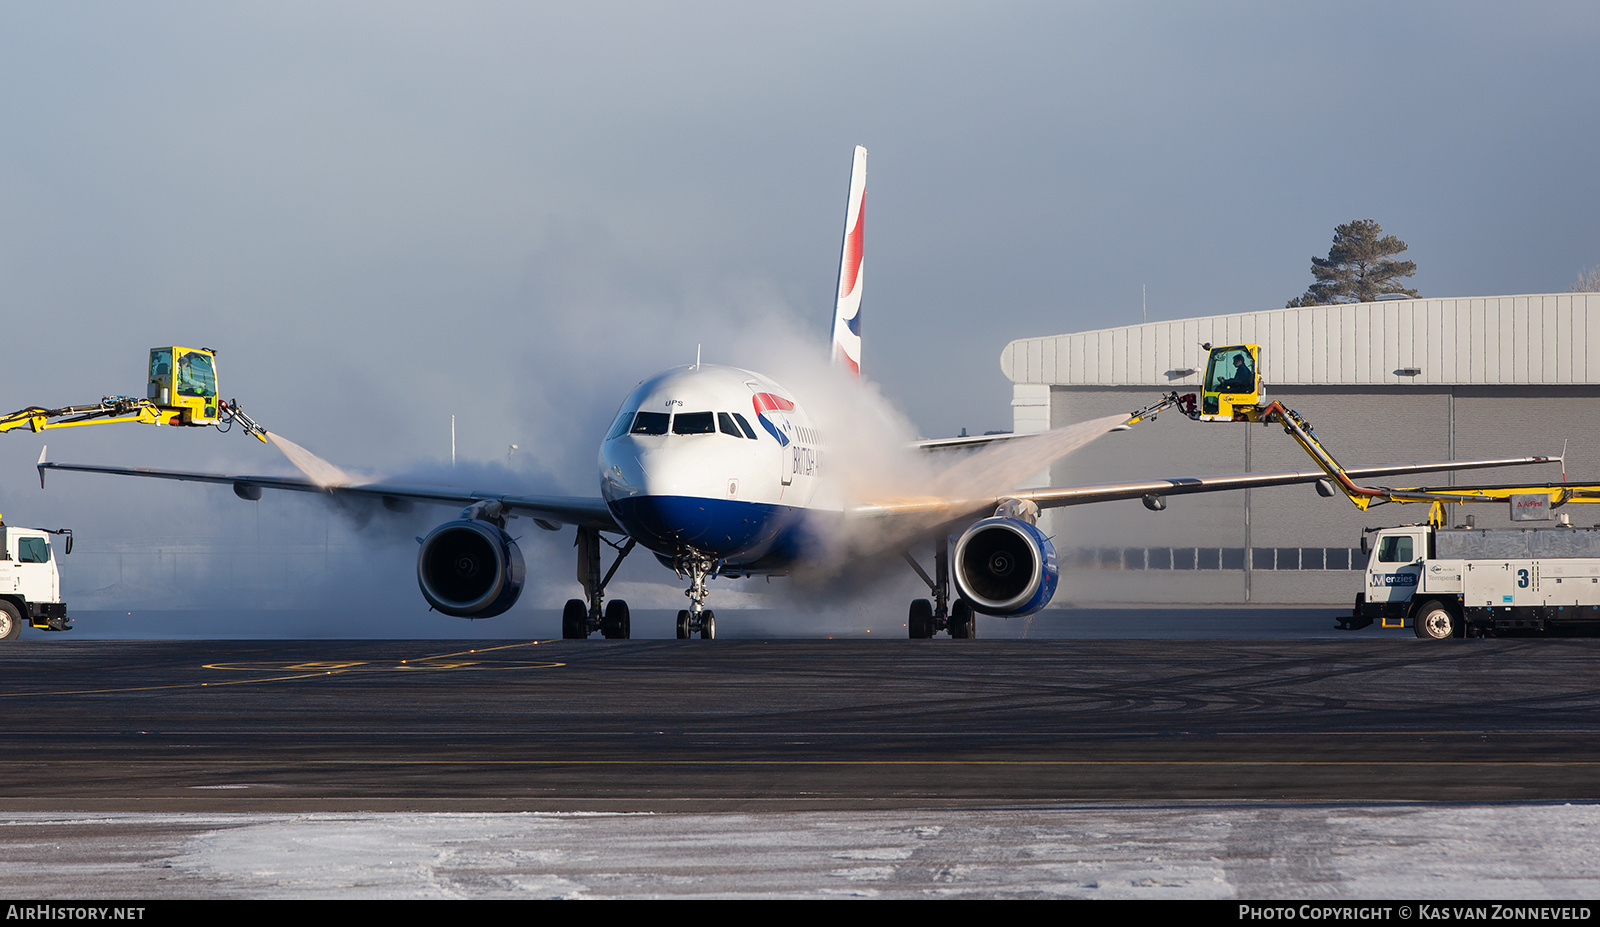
[1394, 571]
[1450, 582]
[30, 582]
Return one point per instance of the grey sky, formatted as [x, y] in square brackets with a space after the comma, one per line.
[385, 213]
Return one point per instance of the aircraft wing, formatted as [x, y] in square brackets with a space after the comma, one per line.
[1054, 497]
[546, 511]
[550, 511]
[966, 442]
[1078, 495]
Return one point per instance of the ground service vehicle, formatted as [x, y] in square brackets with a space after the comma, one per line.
[1452, 582]
[30, 583]
[1233, 391]
[181, 389]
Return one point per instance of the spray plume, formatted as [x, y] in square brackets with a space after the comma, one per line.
[950, 491]
[1006, 465]
[872, 460]
[319, 471]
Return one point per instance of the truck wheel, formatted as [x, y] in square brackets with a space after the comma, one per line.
[10, 622]
[1435, 621]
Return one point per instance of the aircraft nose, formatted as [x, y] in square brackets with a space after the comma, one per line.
[660, 471]
[627, 473]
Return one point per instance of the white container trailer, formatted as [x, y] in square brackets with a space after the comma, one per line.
[1448, 582]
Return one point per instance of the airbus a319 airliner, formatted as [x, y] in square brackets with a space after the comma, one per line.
[717, 471]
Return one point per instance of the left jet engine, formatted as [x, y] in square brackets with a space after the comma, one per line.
[1005, 566]
[470, 569]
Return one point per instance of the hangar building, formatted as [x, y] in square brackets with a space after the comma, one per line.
[1395, 381]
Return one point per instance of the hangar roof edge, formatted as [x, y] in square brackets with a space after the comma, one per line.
[1544, 338]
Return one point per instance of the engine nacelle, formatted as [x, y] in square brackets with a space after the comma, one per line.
[470, 569]
[1005, 566]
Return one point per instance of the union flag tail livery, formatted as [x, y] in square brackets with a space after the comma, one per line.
[847, 313]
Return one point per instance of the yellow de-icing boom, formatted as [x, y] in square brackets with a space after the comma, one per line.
[1549, 495]
[1232, 391]
[181, 389]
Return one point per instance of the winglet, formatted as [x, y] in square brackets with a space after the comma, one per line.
[40, 464]
[846, 348]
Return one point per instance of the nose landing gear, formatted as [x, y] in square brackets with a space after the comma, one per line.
[696, 617]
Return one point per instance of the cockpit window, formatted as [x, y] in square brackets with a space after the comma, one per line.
[694, 423]
[745, 426]
[726, 426]
[650, 423]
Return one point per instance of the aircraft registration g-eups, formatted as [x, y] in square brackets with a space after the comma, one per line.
[719, 471]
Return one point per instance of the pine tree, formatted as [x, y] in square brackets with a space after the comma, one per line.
[1359, 267]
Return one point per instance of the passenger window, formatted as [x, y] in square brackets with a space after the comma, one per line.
[725, 423]
[650, 423]
[33, 550]
[1395, 550]
[744, 426]
[694, 423]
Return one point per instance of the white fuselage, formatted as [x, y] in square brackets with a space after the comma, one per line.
[717, 462]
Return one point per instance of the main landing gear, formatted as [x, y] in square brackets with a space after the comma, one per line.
[927, 618]
[696, 617]
[579, 619]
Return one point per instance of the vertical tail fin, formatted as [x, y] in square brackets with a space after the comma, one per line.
[847, 313]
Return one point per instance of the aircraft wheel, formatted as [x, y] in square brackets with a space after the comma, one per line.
[1435, 621]
[615, 624]
[920, 622]
[574, 621]
[708, 625]
[10, 622]
[963, 622]
[683, 624]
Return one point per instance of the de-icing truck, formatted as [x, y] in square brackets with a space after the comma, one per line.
[1452, 582]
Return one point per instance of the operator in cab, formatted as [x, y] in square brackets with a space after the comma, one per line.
[1242, 380]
